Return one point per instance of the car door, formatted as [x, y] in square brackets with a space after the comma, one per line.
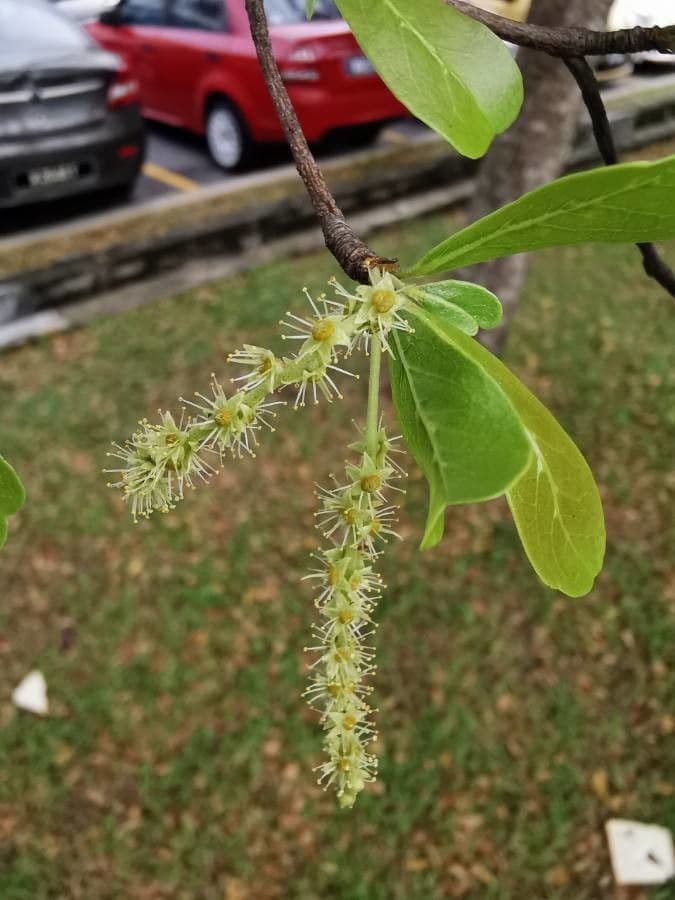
[136, 33]
[191, 45]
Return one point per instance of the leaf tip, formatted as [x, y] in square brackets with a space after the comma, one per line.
[434, 530]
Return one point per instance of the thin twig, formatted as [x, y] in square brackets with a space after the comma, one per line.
[584, 76]
[355, 258]
[571, 41]
[590, 90]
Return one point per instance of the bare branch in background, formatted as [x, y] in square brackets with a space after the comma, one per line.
[571, 41]
[584, 76]
[355, 257]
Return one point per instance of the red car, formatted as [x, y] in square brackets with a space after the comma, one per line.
[197, 69]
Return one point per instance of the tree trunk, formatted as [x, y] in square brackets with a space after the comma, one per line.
[534, 150]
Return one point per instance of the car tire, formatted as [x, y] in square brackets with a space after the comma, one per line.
[226, 136]
[363, 135]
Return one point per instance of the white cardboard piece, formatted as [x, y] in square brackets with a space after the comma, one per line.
[641, 854]
[31, 694]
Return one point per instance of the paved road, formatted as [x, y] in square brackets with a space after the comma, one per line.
[179, 162]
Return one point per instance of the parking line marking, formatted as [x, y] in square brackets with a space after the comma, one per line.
[166, 176]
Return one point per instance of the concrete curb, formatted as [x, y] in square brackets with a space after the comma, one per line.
[251, 200]
[196, 272]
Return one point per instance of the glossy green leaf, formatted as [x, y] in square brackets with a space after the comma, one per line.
[632, 202]
[555, 504]
[309, 8]
[12, 496]
[459, 303]
[455, 419]
[450, 71]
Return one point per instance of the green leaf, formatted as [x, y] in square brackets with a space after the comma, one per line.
[459, 303]
[12, 496]
[456, 421]
[555, 504]
[450, 71]
[309, 8]
[625, 203]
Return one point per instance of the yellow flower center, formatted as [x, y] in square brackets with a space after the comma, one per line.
[351, 515]
[224, 417]
[333, 689]
[332, 576]
[349, 722]
[342, 764]
[346, 616]
[323, 330]
[171, 439]
[375, 526]
[383, 301]
[265, 365]
[371, 483]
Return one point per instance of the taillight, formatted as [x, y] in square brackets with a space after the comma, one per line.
[123, 90]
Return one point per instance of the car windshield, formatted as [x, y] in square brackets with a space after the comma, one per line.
[34, 24]
[289, 12]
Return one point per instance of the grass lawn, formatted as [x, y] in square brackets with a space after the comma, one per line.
[177, 759]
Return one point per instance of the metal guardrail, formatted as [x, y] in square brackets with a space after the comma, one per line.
[52, 280]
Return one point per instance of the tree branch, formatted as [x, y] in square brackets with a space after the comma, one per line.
[571, 41]
[355, 258]
[584, 76]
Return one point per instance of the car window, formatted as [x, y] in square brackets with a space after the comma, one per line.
[143, 12]
[206, 15]
[289, 12]
[34, 24]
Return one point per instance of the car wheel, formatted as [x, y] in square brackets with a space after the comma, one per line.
[364, 135]
[225, 136]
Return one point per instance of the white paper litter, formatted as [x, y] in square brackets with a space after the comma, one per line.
[31, 694]
[641, 854]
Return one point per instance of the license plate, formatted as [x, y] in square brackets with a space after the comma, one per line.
[48, 175]
[359, 65]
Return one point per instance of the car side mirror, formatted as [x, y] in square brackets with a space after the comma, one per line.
[111, 16]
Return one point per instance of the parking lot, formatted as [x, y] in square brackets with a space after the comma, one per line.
[178, 162]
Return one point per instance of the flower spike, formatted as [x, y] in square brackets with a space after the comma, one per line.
[356, 519]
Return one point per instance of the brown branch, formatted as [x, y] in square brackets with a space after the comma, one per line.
[355, 258]
[585, 78]
[571, 41]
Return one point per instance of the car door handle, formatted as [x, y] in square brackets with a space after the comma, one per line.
[147, 48]
[212, 57]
